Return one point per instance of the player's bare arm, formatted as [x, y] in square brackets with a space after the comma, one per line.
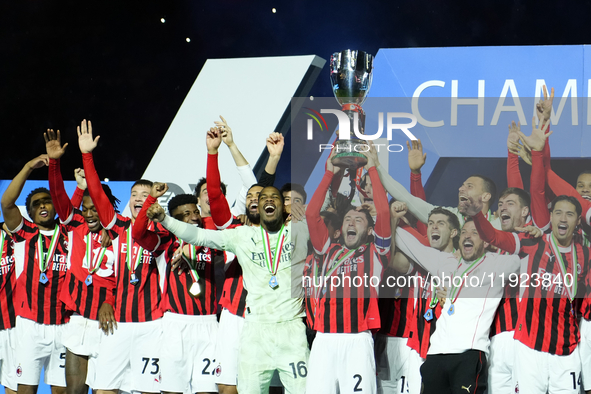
[275, 144]
[228, 139]
[12, 215]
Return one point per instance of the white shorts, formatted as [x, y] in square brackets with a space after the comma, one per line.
[413, 377]
[585, 352]
[83, 337]
[342, 361]
[395, 371]
[500, 363]
[131, 356]
[226, 349]
[8, 367]
[266, 347]
[188, 353]
[539, 372]
[39, 346]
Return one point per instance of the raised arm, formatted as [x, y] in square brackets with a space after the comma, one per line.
[319, 235]
[503, 240]
[12, 215]
[544, 112]
[513, 173]
[55, 150]
[246, 175]
[416, 160]
[104, 208]
[398, 261]
[220, 209]
[539, 209]
[146, 238]
[417, 207]
[275, 144]
[215, 239]
[80, 188]
[537, 142]
[382, 229]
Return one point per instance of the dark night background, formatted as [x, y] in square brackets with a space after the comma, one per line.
[117, 64]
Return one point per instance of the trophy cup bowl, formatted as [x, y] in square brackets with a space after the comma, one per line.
[350, 76]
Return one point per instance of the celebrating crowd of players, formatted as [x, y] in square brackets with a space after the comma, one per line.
[135, 303]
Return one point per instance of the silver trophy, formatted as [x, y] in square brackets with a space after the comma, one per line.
[350, 76]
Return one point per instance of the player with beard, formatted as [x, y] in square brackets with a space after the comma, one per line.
[514, 212]
[7, 311]
[407, 326]
[189, 324]
[537, 141]
[131, 354]
[546, 330]
[234, 295]
[41, 253]
[475, 186]
[342, 355]
[456, 360]
[274, 336]
[90, 279]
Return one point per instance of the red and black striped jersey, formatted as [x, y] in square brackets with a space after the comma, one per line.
[7, 282]
[547, 321]
[313, 264]
[177, 298]
[396, 306]
[233, 293]
[506, 317]
[138, 302]
[352, 306]
[422, 329]
[83, 262]
[35, 300]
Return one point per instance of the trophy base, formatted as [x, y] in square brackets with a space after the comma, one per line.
[348, 153]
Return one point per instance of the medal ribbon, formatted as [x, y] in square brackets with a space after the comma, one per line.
[52, 246]
[129, 256]
[93, 263]
[572, 290]
[273, 264]
[190, 260]
[340, 261]
[455, 291]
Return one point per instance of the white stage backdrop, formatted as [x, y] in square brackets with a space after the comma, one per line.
[252, 94]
